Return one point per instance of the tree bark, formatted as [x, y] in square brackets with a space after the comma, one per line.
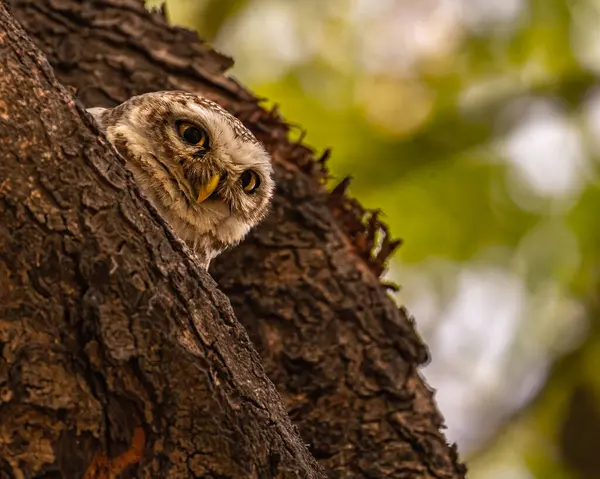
[116, 348]
[305, 284]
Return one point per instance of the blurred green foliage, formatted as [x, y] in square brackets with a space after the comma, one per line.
[422, 146]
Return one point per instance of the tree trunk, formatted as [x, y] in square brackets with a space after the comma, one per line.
[305, 284]
[116, 347]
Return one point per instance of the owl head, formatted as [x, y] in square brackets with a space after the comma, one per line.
[204, 171]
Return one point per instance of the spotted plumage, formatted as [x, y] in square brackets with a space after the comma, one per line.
[205, 172]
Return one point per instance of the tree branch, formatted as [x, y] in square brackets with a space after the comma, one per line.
[305, 284]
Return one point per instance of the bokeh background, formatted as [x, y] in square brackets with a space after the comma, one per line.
[475, 126]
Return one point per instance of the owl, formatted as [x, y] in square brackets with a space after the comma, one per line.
[205, 172]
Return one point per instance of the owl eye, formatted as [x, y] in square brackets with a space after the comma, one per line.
[192, 134]
[250, 181]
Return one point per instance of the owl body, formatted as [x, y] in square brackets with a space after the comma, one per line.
[206, 174]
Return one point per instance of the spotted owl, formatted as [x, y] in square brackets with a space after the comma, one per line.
[205, 172]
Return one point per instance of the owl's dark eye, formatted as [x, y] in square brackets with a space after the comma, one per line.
[192, 134]
[250, 181]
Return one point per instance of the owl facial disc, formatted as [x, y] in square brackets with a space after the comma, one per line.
[203, 170]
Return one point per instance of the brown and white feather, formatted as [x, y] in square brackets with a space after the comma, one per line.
[143, 130]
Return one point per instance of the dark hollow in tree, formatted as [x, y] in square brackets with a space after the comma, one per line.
[305, 284]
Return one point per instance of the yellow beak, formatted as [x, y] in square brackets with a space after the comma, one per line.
[207, 189]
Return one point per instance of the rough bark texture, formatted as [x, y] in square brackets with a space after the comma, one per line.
[306, 282]
[116, 348]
